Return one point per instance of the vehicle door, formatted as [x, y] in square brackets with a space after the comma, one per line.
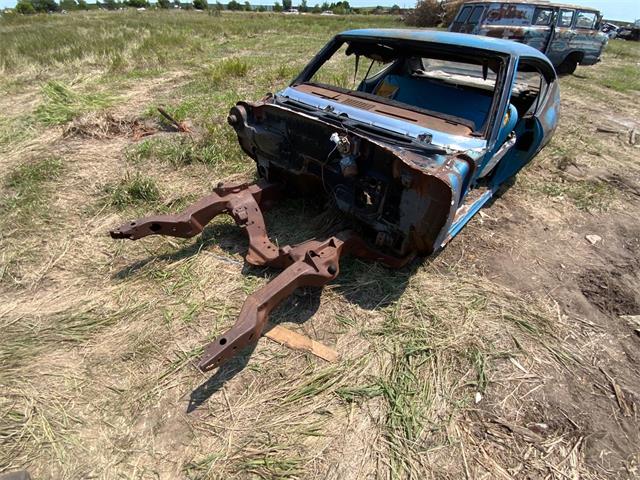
[542, 29]
[468, 19]
[536, 97]
[560, 44]
[587, 38]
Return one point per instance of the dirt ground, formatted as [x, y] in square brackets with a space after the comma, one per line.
[513, 353]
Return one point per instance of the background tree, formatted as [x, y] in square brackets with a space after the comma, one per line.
[44, 6]
[277, 7]
[247, 7]
[25, 7]
[68, 5]
[233, 5]
[449, 9]
[110, 4]
[316, 9]
[261, 8]
[200, 4]
[428, 13]
[82, 5]
[286, 5]
[325, 6]
[163, 4]
[137, 3]
[395, 10]
[303, 6]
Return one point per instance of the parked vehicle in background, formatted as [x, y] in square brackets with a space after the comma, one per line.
[610, 30]
[629, 33]
[568, 34]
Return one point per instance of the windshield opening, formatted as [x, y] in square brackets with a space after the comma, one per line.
[458, 89]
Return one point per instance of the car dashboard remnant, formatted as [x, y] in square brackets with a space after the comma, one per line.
[408, 133]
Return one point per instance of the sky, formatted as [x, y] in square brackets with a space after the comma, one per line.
[626, 10]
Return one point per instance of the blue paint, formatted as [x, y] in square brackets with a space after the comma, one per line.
[438, 97]
[457, 173]
[474, 208]
[491, 45]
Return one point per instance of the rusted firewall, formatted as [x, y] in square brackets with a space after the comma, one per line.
[402, 195]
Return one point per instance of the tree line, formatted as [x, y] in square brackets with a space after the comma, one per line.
[28, 7]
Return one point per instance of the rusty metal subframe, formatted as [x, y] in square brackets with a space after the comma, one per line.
[311, 263]
[241, 202]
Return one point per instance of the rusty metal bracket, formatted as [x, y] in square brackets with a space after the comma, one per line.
[242, 202]
[311, 263]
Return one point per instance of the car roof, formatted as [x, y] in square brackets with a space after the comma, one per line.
[537, 3]
[489, 44]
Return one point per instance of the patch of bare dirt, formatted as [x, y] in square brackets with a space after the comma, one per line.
[608, 292]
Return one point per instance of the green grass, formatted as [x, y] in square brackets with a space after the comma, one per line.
[621, 49]
[229, 68]
[14, 130]
[273, 463]
[217, 149]
[132, 190]
[61, 104]
[587, 195]
[27, 185]
[624, 78]
[129, 41]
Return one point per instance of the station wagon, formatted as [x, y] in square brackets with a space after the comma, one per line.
[569, 35]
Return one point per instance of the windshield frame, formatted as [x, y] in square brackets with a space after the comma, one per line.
[420, 49]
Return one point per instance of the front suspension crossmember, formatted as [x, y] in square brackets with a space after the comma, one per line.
[311, 263]
[242, 202]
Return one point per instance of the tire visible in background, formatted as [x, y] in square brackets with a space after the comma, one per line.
[568, 66]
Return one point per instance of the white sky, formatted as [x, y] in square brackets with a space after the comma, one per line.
[626, 10]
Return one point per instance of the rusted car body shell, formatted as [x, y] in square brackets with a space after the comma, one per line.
[408, 177]
[561, 31]
[431, 195]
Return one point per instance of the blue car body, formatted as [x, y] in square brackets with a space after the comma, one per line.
[417, 148]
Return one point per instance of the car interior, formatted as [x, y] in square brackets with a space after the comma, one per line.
[441, 88]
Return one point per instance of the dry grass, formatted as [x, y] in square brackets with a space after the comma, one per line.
[482, 362]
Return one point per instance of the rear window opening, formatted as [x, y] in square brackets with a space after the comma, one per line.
[452, 93]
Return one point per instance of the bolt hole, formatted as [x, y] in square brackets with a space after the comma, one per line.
[250, 336]
[332, 269]
[133, 223]
[154, 227]
[223, 341]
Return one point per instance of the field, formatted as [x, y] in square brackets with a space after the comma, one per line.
[511, 354]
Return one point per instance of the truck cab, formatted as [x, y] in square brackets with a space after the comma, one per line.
[568, 34]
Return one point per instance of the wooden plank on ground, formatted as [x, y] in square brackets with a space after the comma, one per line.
[297, 341]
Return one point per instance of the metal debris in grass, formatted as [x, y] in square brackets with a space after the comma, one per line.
[104, 126]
